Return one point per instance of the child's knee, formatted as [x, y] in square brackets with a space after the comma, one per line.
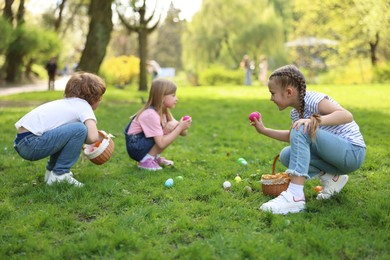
[285, 156]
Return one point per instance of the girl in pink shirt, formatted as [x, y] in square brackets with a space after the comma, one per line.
[153, 128]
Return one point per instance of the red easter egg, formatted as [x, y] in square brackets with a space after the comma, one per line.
[254, 115]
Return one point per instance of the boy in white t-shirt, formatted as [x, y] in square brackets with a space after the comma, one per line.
[59, 128]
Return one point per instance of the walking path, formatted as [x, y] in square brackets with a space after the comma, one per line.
[60, 84]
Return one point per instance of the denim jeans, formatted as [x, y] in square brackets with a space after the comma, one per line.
[327, 153]
[137, 145]
[63, 144]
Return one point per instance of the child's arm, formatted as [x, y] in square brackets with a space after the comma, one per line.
[93, 134]
[163, 141]
[281, 135]
[330, 114]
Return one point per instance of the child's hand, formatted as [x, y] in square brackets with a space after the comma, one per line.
[170, 126]
[185, 123]
[258, 124]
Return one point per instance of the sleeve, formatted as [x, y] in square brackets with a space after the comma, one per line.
[149, 121]
[85, 112]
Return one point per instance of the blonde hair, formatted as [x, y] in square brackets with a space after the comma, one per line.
[159, 89]
[290, 75]
[87, 86]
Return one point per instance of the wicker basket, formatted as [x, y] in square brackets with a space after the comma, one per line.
[274, 184]
[99, 153]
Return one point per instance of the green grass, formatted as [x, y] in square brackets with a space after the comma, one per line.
[126, 213]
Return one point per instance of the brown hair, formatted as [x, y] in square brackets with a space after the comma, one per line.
[87, 86]
[159, 89]
[290, 75]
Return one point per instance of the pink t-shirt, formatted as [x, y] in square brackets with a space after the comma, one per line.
[147, 122]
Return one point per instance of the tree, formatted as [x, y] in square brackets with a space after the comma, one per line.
[168, 48]
[14, 57]
[221, 34]
[100, 28]
[367, 21]
[142, 25]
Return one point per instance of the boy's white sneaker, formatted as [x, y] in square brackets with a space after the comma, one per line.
[285, 203]
[331, 185]
[47, 174]
[67, 177]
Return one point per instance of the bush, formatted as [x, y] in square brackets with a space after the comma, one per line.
[219, 76]
[382, 73]
[120, 70]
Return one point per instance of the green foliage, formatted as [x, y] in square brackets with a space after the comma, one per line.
[217, 75]
[126, 213]
[355, 72]
[382, 73]
[36, 43]
[219, 33]
[120, 70]
[6, 34]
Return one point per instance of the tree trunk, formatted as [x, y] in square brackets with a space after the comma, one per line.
[99, 33]
[143, 53]
[7, 12]
[373, 47]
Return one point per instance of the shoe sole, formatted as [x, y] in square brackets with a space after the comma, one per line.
[149, 169]
[343, 182]
[283, 212]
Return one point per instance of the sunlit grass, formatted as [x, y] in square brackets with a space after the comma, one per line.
[123, 212]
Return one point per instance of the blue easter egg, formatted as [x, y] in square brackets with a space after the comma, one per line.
[168, 183]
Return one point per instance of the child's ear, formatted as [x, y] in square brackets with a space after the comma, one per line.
[290, 91]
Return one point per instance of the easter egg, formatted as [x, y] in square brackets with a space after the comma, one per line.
[179, 178]
[185, 118]
[254, 115]
[318, 188]
[168, 183]
[242, 161]
[237, 179]
[248, 189]
[227, 185]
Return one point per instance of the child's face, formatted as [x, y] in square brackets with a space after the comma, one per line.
[170, 100]
[280, 96]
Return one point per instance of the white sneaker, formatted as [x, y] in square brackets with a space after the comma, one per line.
[331, 185]
[47, 174]
[67, 177]
[284, 203]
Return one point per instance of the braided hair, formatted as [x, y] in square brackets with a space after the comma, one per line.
[290, 75]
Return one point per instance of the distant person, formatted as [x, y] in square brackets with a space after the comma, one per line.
[51, 68]
[154, 68]
[324, 139]
[263, 70]
[58, 129]
[248, 66]
[153, 128]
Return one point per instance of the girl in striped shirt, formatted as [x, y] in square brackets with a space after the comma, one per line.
[324, 140]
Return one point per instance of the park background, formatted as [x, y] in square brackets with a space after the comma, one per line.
[124, 212]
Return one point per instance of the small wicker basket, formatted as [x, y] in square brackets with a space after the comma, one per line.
[274, 184]
[99, 153]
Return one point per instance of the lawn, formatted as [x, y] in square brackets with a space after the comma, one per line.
[126, 213]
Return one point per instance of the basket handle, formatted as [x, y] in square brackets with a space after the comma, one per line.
[274, 164]
[105, 135]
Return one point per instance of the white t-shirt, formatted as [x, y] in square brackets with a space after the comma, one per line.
[56, 113]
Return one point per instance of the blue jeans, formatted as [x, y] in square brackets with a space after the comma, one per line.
[248, 77]
[327, 153]
[63, 144]
[137, 145]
